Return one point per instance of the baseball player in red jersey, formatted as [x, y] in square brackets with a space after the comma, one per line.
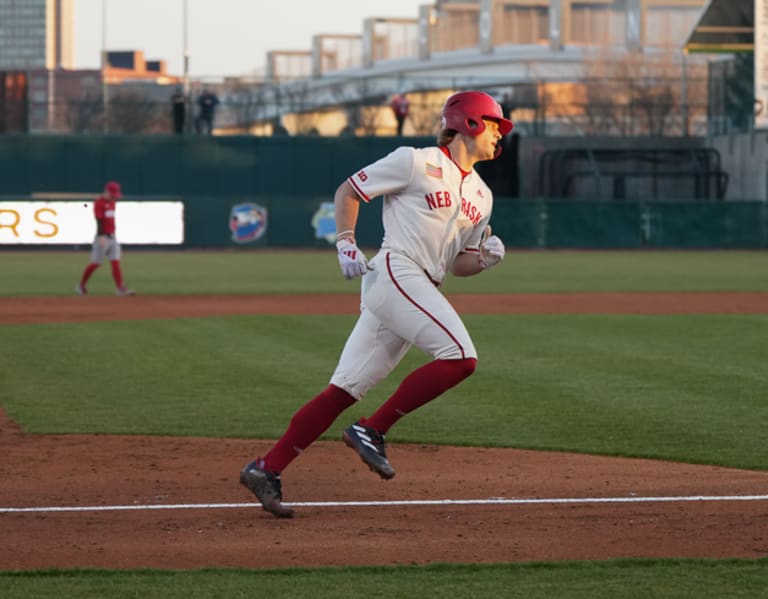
[105, 245]
[435, 215]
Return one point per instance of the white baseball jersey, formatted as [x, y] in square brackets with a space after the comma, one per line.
[431, 212]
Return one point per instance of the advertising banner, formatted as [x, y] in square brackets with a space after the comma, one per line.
[61, 223]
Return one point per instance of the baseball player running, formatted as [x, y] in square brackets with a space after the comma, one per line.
[435, 215]
[105, 243]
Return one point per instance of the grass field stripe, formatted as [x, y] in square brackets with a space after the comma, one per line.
[392, 503]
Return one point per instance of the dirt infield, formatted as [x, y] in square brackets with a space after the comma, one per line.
[94, 308]
[165, 502]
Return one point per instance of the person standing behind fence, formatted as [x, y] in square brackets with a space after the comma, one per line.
[105, 244]
[179, 109]
[207, 102]
[400, 107]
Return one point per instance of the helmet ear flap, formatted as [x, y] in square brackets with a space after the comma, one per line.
[474, 126]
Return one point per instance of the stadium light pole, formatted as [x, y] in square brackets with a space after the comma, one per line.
[104, 62]
[187, 100]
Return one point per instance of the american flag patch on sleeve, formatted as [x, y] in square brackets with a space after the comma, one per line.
[434, 171]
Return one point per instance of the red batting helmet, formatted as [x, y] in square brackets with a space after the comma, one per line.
[113, 189]
[464, 112]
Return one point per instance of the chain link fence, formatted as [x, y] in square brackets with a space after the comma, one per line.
[612, 107]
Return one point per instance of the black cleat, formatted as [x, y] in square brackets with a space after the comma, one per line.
[267, 488]
[369, 444]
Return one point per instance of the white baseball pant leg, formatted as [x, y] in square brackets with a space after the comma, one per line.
[401, 308]
[110, 250]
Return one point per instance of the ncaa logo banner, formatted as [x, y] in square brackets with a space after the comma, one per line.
[324, 222]
[247, 222]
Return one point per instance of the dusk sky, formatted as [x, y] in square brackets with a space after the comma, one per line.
[224, 37]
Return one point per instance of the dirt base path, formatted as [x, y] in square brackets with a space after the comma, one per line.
[95, 308]
[163, 502]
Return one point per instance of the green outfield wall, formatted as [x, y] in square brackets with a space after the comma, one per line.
[300, 221]
[185, 166]
[607, 224]
[276, 192]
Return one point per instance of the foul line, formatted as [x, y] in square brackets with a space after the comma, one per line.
[417, 502]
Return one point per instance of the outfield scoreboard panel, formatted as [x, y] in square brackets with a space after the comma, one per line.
[63, 223]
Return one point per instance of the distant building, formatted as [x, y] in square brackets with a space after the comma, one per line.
[130, 65]
[36, 34]
[63, 100]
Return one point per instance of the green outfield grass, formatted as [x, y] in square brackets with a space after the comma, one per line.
[316, 271]
[689, 388]
[624, 579]
[652, 386]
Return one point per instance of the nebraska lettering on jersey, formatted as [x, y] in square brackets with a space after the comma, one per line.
[438, 199]
[442, 199]
[470, 211]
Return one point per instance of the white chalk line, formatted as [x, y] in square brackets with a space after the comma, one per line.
[390, 503]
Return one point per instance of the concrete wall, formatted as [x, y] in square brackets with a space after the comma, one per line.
[745, 159]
